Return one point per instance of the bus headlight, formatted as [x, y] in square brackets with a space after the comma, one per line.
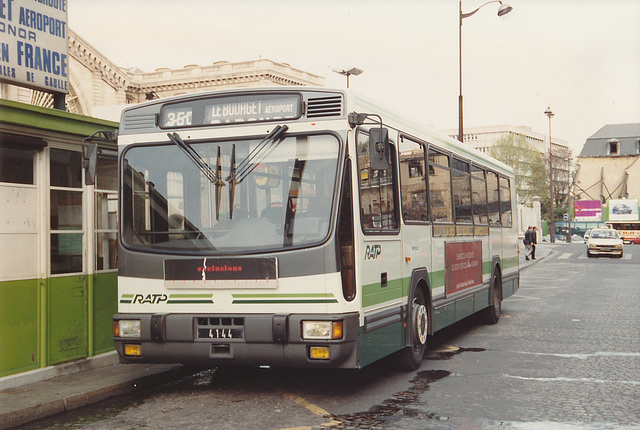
[126, 328]
[328, 330]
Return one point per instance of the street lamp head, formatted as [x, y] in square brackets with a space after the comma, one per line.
[549, 113]
[504, 9]
[352, 71]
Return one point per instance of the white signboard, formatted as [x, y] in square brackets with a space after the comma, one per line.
[624, 209]
[34, 51]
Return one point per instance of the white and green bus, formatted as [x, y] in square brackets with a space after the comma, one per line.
[302, 227]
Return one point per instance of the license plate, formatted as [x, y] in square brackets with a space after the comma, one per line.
[220, 333]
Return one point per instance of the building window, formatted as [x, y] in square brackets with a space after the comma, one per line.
[66, 211]
[614, 147]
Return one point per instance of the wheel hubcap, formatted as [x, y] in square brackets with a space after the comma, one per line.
[421, 323]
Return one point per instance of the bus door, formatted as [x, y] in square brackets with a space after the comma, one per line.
[380, 268]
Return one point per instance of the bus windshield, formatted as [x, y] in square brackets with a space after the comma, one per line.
[240, 196]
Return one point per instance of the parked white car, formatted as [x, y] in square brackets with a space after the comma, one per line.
[604, 241]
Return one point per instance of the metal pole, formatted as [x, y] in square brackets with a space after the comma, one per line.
[570, 217]
[552, 223]
[460, 127]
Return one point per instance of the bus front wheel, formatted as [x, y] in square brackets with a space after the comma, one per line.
[411, 356]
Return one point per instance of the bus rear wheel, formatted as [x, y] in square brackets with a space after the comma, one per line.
[411, 356]
[492, 313]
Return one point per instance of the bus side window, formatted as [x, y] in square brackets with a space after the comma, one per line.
[440, 187]
[461, 191]
[413, 184]
[505, 202]
[479, 195]
[377, 199]
[493, 193]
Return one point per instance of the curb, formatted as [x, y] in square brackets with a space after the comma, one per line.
[77, 400]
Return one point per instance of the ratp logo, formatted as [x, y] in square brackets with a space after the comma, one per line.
[149, 299]
[372, 252]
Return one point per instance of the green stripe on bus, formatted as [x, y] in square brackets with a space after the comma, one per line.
[190, 296]
[283, 301]
[279, 295]
[507, 263]
[175, 302]
[373, 294]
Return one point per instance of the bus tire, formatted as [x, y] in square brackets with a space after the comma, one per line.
[492, 313]
[411, 357]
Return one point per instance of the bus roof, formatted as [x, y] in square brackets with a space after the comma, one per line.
[414, 128]
[353, 102]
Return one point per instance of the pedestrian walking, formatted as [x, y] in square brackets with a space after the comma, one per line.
[534, 242]
[527, 242]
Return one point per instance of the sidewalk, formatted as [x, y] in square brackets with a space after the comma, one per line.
[44, 392]
[543, 250]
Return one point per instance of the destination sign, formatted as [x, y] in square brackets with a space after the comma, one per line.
[231, 110]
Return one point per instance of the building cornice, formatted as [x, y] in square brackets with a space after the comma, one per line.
[91, 58]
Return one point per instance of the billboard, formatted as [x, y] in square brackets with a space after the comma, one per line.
[624, 209]
[34, 51]
[587, 210]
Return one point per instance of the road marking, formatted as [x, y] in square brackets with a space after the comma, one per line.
[317, 410]
[607, 354]
[446, 348]
[565, 256]
[563, 379]
[520, 298]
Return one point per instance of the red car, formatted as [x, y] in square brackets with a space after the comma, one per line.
[634, 240]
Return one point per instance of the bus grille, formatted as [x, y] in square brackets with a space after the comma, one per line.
[137, 122]
[322, 107]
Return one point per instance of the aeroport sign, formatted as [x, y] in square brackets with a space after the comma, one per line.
[34, 51]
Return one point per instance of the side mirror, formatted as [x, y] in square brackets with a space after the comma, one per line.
[89, 162]
[379, 148]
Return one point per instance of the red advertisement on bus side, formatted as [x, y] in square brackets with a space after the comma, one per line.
[463, 263]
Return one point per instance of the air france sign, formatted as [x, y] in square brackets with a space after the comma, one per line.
[34, 51]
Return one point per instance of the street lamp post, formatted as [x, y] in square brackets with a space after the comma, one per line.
[502, 11]
[552, 223]
[352, 71]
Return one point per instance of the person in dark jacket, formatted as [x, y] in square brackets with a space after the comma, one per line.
[527, 243]
[534, 242]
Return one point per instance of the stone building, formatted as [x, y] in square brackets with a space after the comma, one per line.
[609, 164]
[96, 83]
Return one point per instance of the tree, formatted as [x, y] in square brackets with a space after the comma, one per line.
[532, 176]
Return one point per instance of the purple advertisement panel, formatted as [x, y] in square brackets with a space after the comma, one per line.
[588, 210]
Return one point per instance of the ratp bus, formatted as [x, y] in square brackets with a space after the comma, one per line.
[628, 230]
[302, 227]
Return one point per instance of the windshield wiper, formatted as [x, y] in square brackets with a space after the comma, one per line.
[195, 157]
[241, 171]
[247, 165]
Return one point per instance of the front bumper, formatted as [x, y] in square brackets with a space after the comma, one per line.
[252, 340]
[605, 250]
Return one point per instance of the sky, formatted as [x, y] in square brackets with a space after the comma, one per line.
[581, 58]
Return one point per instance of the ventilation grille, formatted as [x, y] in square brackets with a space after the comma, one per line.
[138, 122]
[322, 107]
